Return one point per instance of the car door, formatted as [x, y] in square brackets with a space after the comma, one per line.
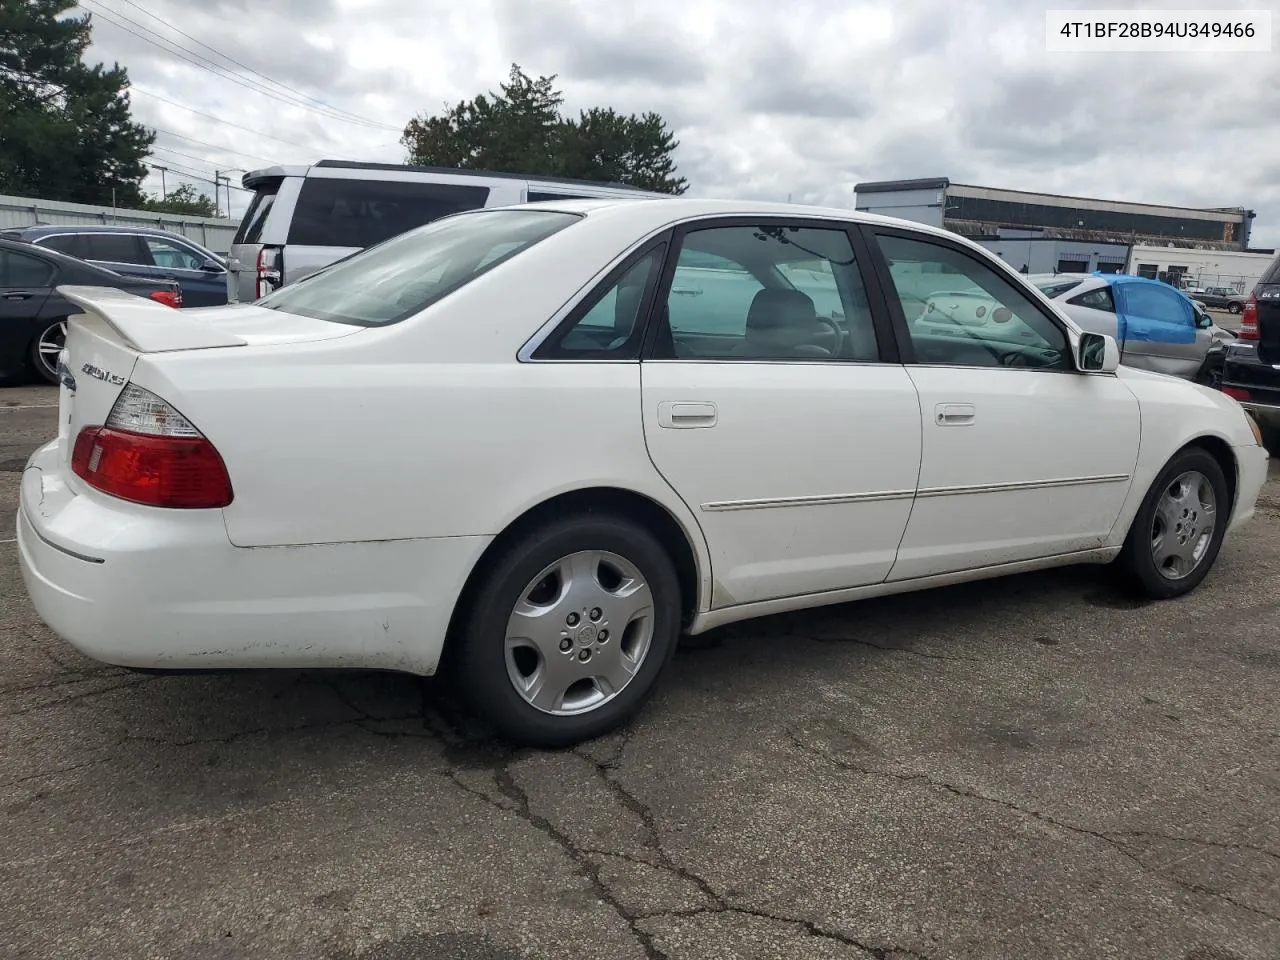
[25, 284]
[1158, 328]
[203, 281]
[783, 421]
[1023, 457]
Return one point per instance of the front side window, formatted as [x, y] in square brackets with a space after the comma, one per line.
[172, 255]
[403, 276]
[961, 312]
[339, 212]
[766, 292]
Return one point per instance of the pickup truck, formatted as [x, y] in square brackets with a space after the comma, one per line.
[1220, 298]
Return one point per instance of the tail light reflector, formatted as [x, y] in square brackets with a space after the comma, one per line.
[149, 453]
[170, 298]
[1249, 319]
[1235, 393]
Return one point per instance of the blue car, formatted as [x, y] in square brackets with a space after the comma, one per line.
[146, 252]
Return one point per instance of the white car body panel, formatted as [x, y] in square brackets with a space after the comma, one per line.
[815, 512]
[1035, 463]
[373, 467]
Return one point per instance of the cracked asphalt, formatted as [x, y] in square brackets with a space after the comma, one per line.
[1027, 768]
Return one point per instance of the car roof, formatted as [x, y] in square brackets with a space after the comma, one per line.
[650, 213]
[45, 229]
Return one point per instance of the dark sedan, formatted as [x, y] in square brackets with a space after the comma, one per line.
[1251, 371]
[146, 252]
[33, 315]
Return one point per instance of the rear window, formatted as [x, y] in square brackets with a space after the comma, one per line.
[1055, 288]
[359, 213]
[1273, 272]
[398, 278]
[251, 226]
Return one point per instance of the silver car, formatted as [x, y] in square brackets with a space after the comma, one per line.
[1158, 327]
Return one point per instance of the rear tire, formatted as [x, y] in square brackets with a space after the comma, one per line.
[1234, 308]
[45, 348]
[1171, 545]
[569, 630]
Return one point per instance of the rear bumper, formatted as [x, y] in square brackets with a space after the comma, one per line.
[166, 589]
[1254, 384]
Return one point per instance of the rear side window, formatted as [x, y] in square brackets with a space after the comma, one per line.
[536, 196]
[113, 247]
[404, 275]
[360, 213]
[20, 270]
[1273, 272]
[68, 243]
[1099, 299]
[256, 215]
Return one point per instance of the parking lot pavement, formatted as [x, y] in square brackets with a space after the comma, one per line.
[1026, 768]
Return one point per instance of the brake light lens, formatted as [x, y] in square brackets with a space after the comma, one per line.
[1235, 393]
[1249, 319]
[170, 298]
[269, 271]
[149, 453]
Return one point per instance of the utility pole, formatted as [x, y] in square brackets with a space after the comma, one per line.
[164, 194]
[217, 194]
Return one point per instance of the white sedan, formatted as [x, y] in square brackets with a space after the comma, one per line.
[536, 444]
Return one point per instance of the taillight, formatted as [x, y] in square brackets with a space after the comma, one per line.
[149, 453]
[1235, 393]
[1249, 319]
[268, 272]
[170, 298]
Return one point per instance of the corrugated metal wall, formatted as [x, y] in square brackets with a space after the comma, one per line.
[215, 234]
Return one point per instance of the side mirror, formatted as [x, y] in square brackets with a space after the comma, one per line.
[211, 266]
[1097, 353]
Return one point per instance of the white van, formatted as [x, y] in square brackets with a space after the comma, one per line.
[305, 218]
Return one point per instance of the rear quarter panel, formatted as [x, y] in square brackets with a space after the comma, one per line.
[427, 428]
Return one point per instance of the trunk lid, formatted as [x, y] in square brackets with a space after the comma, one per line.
[104, 342]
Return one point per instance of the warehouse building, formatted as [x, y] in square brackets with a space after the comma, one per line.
[988, 212]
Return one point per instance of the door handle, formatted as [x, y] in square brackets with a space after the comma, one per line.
[675, 414]
[954, 414]
[17, 296]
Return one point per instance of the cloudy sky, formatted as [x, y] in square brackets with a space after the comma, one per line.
[769, 98]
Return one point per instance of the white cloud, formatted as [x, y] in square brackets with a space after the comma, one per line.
[768, 99]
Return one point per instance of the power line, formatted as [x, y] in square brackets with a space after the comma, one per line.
[210, 116]
[205, 172]
[189, 56]
[213, 146]
[183, 171]
[256, 73]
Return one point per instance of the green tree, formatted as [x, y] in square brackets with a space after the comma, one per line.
[520, 129]
[66, 131]
[185, 201]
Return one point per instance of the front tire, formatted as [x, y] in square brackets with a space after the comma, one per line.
[1178, 531]
[569, 630]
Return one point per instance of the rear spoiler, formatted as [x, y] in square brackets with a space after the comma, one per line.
[145, 325]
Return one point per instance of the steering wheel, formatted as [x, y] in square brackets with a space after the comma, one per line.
[837, 348]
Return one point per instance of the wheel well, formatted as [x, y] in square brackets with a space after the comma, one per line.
[610, 500]
[1220, 450]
